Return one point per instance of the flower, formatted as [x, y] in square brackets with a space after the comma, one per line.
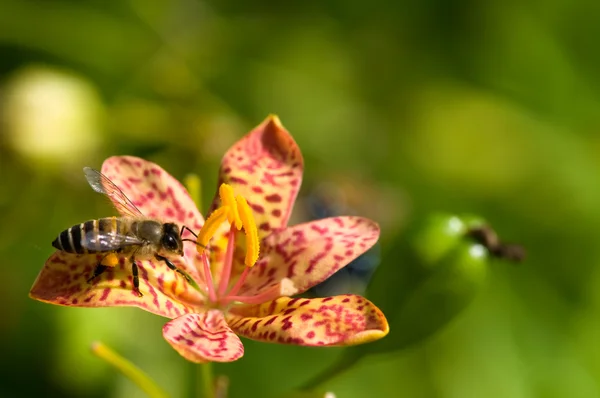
[238, 291]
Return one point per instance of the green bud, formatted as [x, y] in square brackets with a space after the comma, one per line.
[437, 273]
[440, 234]
[426, 280]
[441, 297]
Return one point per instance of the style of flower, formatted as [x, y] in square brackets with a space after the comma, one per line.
[246, 265]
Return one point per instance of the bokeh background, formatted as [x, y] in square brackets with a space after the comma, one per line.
[407, 107]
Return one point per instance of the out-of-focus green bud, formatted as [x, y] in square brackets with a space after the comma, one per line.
[427, 279]
[440, 234]
[457, 278]
[51, 117]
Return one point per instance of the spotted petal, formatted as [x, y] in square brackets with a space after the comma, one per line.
[63, 281]
[203, 338]
[157, 195]
[266, 168]
[331, 321]
[309, 253]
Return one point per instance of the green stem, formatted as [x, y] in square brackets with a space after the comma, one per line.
[129, 370]
[207, 388]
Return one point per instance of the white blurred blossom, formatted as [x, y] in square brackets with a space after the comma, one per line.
[51, 116]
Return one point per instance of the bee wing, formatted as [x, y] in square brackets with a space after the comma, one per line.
[101, 184]
[103, 242]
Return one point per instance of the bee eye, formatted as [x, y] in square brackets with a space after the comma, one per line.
[170, 242]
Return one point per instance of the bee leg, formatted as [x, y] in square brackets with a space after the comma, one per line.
[172, 266]
[102, 266]
[97, 271]
[136, 278]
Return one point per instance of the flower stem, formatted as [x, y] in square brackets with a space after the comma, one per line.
[207, 388]
[129, 370]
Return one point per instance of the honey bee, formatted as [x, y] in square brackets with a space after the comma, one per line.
[132, 235]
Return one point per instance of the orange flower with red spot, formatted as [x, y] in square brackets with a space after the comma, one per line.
[242, 284]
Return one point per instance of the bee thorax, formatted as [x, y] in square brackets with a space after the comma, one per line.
[148, 230]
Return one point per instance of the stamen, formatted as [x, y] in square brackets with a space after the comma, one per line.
[228, 199]
[285, 288]
[211, 225]
[238, 213]
[228, 262]
[209, 280]
[252, 244]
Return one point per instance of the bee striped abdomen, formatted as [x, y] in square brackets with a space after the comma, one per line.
[83, 238]
[69, 240]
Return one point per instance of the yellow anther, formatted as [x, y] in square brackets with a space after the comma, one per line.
[236, 210]
[227, 199]
[210, 227]
[252, 244]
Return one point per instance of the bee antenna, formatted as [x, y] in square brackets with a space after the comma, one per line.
[183, 228]
[191, 240]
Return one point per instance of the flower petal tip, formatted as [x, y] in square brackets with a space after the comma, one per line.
[277, 138]
[274, 119]
[368, 336]
[203, 338]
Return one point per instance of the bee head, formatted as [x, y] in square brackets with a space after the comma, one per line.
[171, 239]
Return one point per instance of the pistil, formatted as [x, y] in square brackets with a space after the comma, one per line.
[228, 262]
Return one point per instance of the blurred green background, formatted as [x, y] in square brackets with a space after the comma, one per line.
[487, 107]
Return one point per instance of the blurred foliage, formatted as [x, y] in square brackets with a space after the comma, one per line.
[487, 107]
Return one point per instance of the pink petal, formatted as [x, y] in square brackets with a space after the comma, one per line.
[157, 195]
[309, 253]
[266, 168]
[330, 321]
[203, 338]
[63, 281]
